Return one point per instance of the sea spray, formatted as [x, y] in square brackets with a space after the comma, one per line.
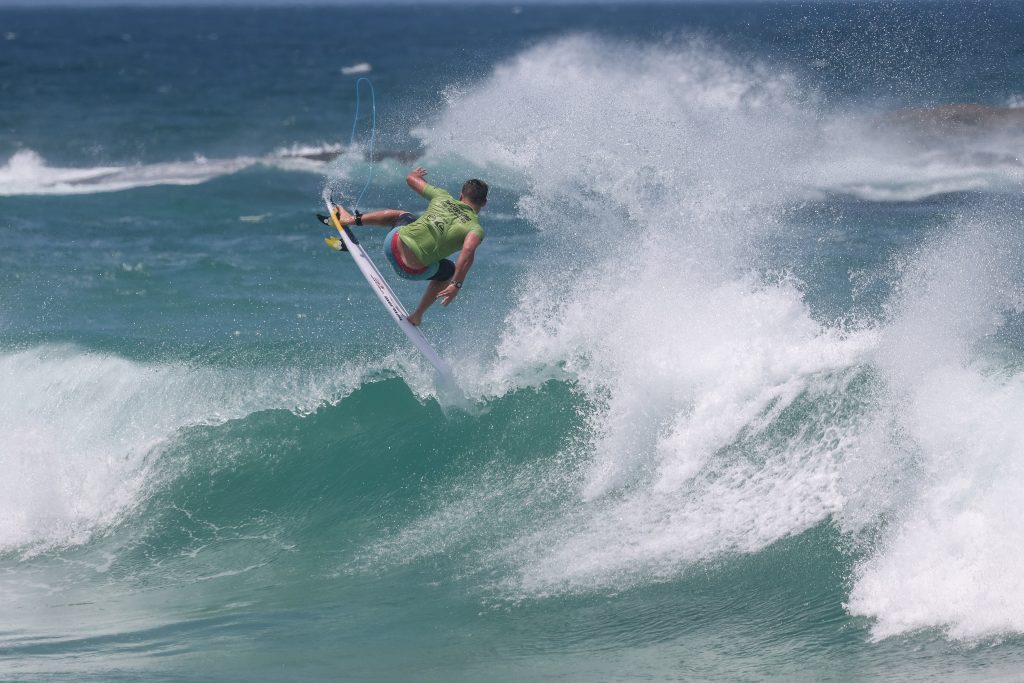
[948, 561]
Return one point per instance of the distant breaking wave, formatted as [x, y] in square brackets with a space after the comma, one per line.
[28, 173]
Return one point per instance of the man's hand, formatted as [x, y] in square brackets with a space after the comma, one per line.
[448, 294]
[415, 179]
[466, 256]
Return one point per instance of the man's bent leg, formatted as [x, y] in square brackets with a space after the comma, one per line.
[434, 288]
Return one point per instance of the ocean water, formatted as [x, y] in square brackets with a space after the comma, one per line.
[742, 353]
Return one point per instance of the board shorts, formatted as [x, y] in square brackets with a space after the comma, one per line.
[442, 270]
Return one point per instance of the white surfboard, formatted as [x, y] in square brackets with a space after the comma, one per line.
[386, 295]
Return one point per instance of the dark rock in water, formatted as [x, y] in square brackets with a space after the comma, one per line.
[317, 156]
[957, 119]
[401, 155]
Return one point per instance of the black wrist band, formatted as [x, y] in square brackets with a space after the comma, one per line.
[458, 285]
[359, 218]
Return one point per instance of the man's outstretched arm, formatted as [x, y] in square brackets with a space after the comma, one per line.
[415, 179]
[465, 262]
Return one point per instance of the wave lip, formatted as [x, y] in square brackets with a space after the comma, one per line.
[85, 433]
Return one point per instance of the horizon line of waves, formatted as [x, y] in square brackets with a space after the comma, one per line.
[878, 161]
[913, 178]
[878, 170]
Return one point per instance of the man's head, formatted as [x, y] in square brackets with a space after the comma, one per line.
[474, 193]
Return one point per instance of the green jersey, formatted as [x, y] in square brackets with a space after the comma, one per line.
[442, 229]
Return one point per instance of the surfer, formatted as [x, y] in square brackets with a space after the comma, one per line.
[417, 247]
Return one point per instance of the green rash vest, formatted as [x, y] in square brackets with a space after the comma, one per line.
[442, 228]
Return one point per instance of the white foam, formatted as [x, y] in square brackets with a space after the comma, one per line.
[632, 125]
[951, 559]
[355, 69]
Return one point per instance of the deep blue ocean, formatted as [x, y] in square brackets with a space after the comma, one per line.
[742, 354]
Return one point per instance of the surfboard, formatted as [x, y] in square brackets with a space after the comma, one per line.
[382, 289]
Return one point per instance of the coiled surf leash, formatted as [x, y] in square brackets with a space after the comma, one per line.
[373, 139]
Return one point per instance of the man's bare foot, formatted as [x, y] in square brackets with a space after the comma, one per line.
[415, 319]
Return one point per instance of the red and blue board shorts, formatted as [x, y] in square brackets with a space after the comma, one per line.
[442, 270]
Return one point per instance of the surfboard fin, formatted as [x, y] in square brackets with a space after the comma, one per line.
[335, 243]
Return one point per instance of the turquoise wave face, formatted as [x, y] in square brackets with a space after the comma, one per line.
[741, 353]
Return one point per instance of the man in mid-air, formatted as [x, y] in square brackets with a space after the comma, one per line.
[417, 247]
